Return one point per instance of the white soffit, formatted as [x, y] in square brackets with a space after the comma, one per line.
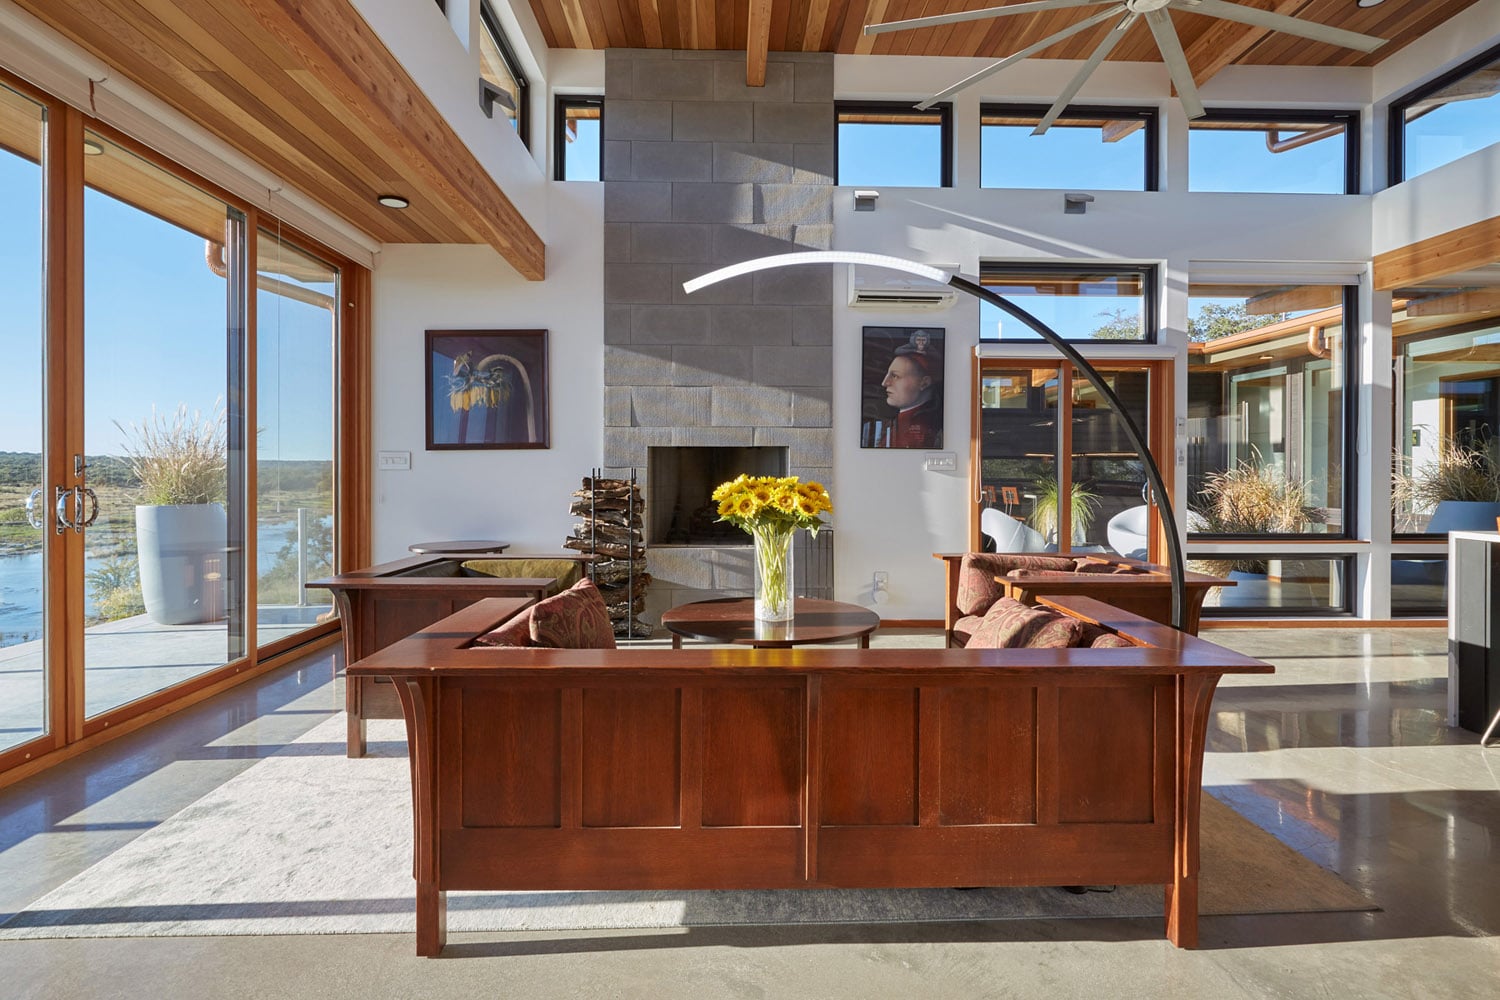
[1264, 272]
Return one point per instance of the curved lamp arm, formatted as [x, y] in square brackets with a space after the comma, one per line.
[973, 287]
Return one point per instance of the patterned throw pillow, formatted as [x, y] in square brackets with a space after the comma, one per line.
[1098, 637]
[977, 589]
[1056, 632]
[515, 632]
[575, 619]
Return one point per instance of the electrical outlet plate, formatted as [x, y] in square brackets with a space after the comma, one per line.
[395, 460]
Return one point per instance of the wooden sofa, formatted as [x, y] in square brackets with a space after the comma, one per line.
[814, 767]
[390, 601]
[1128, 584]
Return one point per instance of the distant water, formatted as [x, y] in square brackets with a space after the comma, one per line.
[21, 584]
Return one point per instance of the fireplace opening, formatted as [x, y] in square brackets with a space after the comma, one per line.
[679, 487]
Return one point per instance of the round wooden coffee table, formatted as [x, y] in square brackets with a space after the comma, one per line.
[732, 620]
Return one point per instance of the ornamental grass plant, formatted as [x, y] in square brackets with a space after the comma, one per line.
[178, 460]
[1462, 471]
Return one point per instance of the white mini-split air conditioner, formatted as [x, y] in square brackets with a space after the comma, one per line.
[874, 288]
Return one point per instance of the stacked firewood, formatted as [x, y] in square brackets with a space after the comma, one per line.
[611, 528]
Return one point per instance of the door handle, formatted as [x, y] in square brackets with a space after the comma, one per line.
[70, 508]
[33, 516]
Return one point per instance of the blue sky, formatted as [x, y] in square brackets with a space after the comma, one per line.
[154, 317]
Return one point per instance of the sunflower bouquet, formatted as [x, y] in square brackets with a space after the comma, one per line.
[771, 509]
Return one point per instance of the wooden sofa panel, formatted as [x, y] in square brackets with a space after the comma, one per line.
[387, 602]
[803, 768]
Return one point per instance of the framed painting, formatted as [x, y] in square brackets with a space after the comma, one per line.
[486, 389]
[901, 389]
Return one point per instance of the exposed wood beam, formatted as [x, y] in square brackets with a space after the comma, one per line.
[1467, 300]
[1463, 249]
[757, 43]
[1115, 131]
[344, 54]
[1226, 41]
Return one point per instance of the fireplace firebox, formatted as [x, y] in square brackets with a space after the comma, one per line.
[680, 483]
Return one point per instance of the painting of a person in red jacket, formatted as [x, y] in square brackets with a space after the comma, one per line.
[908, 410]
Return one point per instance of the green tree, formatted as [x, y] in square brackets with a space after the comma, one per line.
[1119, 324]
[1214, 321]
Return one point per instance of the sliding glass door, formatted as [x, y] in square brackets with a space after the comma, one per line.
[169, 409]
[163, 327]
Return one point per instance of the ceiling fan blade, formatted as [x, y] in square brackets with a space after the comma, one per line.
[1092, 63]
[979, 15]
[1170, 45]
[1016, 57]
[1280, 22]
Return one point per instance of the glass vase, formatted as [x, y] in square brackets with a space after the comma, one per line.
[773, 572]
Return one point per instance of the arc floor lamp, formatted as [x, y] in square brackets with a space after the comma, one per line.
[974, 288]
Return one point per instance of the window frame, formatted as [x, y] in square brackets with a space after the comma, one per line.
[1350, 117]
[1149, 115]
[1350, 498]
[944, 112]
[489, 21]
[560, 105]
[1395, 166]
[1345, 608]
[1149, 274]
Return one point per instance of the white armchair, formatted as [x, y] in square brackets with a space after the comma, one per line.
[1008, 534]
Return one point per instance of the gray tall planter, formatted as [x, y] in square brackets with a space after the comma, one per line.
[181, 549]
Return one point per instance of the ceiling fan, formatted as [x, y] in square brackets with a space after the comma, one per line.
[1157, 18]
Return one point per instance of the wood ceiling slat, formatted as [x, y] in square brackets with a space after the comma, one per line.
[815, 27]
[875, 13]
[554, 40]
[554, 21]
[597, 23]
[781, 25]
[614, 22]
[705, 20]
[672, 24]
[650, 23]
[630, 17]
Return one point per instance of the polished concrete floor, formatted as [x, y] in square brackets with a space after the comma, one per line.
[1343, 753]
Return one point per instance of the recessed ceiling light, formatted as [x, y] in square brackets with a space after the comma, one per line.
[1268, 357]
[1369, 3]
[92, 148]
[392, 200]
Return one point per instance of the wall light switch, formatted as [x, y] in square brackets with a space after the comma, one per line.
[941, 461]
[395, 461]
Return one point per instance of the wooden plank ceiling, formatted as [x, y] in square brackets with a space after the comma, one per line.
[307, 90]
[836, 26]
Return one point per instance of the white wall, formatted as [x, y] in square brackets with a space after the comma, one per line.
[520, 496]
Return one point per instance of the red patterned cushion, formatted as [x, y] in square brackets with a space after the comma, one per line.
[977, 589]
[964, 628]
[1056, 632]
[515, 632]
[1111, 640]
[574, 619]
[1006, 625]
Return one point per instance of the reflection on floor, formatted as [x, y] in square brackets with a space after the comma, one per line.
[128, 659]
[1343, 754]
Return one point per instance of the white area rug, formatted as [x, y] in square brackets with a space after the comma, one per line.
[310, 842]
